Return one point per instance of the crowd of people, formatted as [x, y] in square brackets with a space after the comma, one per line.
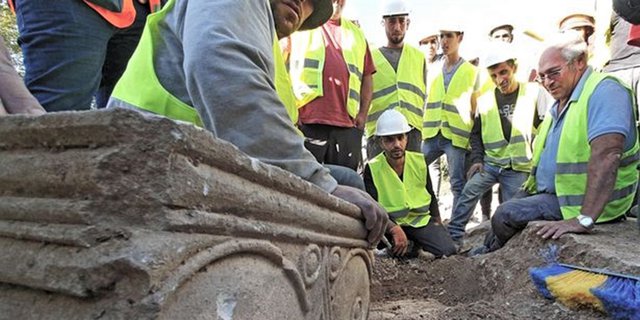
[295, 84]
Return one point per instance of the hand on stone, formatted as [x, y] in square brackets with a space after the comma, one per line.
[555, 229]
[475, 168]
[375, 217]
[399, 241]
[30, 108]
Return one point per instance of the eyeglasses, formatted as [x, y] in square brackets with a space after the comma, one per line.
[551, 75]
[448, 35]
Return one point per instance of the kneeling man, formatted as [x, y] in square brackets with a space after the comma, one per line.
[399, 181]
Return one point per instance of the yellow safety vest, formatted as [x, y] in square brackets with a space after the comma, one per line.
[307, 63]
[573, 157]
[153, 97]
[404, 91]
[517, 152]
[449, 111]
[407, 201]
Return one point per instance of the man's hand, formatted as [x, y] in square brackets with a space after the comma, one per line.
[361, 119]
[374, 215]
[143, 1]
[30, 110]
[475, 168]
[555, 229]
[399, 241]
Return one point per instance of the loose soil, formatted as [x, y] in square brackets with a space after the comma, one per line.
[492, 286]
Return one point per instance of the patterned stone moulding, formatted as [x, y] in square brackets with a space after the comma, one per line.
[118, 215]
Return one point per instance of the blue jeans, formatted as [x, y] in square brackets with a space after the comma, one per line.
[72, 54]
[514, 215]
[435, 147]
[510, 181]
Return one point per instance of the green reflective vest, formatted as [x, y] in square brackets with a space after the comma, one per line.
[449, 111]
[153, 97]
[407, 201]
[307, 63]
[404, 91]
[517, 152]
[573, 157]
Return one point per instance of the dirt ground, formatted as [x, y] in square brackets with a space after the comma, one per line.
[492, 286]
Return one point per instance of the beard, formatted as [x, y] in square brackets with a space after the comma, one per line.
[396, 39]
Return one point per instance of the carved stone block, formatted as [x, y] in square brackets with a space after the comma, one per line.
[115, 215]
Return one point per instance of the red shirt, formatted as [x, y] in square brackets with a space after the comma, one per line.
[331, 108]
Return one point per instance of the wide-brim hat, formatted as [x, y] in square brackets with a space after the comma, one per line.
[576, 20]
[322, 11]
[506, 26]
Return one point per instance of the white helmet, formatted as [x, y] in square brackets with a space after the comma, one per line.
[391, 122]
[498, 52]
[395, 8]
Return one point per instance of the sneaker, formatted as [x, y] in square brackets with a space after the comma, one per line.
[633, 212]
[478, 251]
[425, 255]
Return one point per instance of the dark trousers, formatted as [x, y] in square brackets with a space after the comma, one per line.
[72, 54]
[513, 215]
[433, 238]
[334, 145]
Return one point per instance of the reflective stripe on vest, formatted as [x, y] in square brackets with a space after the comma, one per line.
[404, 91]
[573, 157]
[407, 201]
[307, 63]
[449, 111]
[517, 152]
[153, 97]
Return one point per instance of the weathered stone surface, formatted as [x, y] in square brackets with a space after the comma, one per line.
[111, 214]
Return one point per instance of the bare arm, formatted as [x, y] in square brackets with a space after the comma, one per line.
[14, 96]
[606, 151]
[366, 94]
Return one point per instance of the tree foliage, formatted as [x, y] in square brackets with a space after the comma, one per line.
[8, 27]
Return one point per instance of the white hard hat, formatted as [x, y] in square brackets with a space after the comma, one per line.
[395, 8]
[498, 52]
[391, 122]
[451, 27]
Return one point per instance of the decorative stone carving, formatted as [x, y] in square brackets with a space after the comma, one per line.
[117, 215]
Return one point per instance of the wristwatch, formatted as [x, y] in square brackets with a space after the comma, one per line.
[585, 221]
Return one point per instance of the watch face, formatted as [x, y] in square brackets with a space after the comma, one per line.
[585, 221]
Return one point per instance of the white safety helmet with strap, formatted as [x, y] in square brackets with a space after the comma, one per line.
[395, 8]
[391, 122]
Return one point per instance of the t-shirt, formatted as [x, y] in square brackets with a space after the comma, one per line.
[506, 106]
[610, 111]
[331, 108]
